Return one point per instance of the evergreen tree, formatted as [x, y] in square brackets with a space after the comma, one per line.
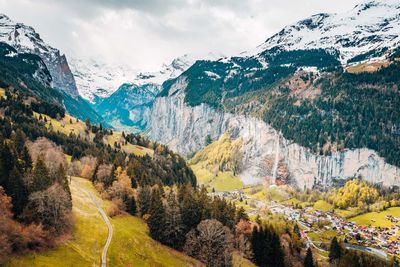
[19, 141]
[41, 178]
[191, 214]
[335, 250]
[174, 235]
[17, 191]
[241, 215]
[267, 248]
[156, 221]
[131, 205]
[144, 200]
[61, 178]
[309, 260]
[26, 159]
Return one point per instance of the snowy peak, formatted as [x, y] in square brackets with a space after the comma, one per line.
[26, 40]
[95, 79]
[371, 25]
[167, 71]
[22, 37]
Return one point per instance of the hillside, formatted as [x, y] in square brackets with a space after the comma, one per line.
[131, 244]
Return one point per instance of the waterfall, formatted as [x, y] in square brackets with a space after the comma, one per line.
[276, 158]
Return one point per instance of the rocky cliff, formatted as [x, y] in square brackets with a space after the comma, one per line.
[171, 121]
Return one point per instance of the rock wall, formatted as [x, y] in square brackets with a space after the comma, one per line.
[184, 129]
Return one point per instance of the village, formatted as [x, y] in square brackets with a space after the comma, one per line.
[380, 241]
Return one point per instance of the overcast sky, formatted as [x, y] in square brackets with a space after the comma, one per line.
[146, 33]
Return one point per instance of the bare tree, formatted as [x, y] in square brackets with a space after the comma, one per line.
[50, 207]
[211, 243]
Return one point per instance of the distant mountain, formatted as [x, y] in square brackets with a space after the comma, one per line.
[25, 39]
[126, 108]
[96, 80]
[99, 80]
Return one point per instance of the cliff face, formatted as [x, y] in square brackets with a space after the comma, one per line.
[184, 129]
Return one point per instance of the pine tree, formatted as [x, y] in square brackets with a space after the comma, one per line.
[144, 200]
[61, 178]
[174, 234]
[191, 214]
[156, 221]
[241, 215]
[41, 178]
[131, 205]
[309, 260]
[335, 250]
[26, 158]
[17, 191]
[19, 141]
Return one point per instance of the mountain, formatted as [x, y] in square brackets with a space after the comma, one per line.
[126, 108]
[295, 102]
[96, 80]
[27, 73]
[368, 30]
[25, 39]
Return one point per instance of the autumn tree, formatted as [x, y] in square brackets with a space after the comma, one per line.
[50, 207]
[211, 243]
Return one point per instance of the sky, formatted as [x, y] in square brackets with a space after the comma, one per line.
[146, 33]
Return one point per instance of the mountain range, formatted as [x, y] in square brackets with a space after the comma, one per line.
[291, 101]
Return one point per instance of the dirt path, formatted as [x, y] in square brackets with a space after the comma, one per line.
[110, 228]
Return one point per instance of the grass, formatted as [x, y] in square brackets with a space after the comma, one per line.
[323, 205]
[69, 124]
[131, 245]
[239, 261]
[2, 92]
[368, 67]
[84, 247]
[222, 181]
[376, 218]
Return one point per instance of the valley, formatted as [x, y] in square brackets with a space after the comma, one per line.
[287, 154]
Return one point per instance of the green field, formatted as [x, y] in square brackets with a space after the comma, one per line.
[130, 246]
[323, 205]
[222, 181]
[376, 218]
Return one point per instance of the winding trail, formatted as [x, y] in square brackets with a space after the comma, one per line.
[110, 228]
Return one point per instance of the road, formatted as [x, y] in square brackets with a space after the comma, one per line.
[110, 228]
[377, 252]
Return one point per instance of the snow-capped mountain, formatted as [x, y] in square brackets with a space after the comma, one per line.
[26, 40]
[167, 71]
[95, 79]
[369, 26]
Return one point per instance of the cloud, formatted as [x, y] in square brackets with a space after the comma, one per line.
[144, 34]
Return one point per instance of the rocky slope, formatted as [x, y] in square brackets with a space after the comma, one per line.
[184, 129]
[233, 95]
[26, 40]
